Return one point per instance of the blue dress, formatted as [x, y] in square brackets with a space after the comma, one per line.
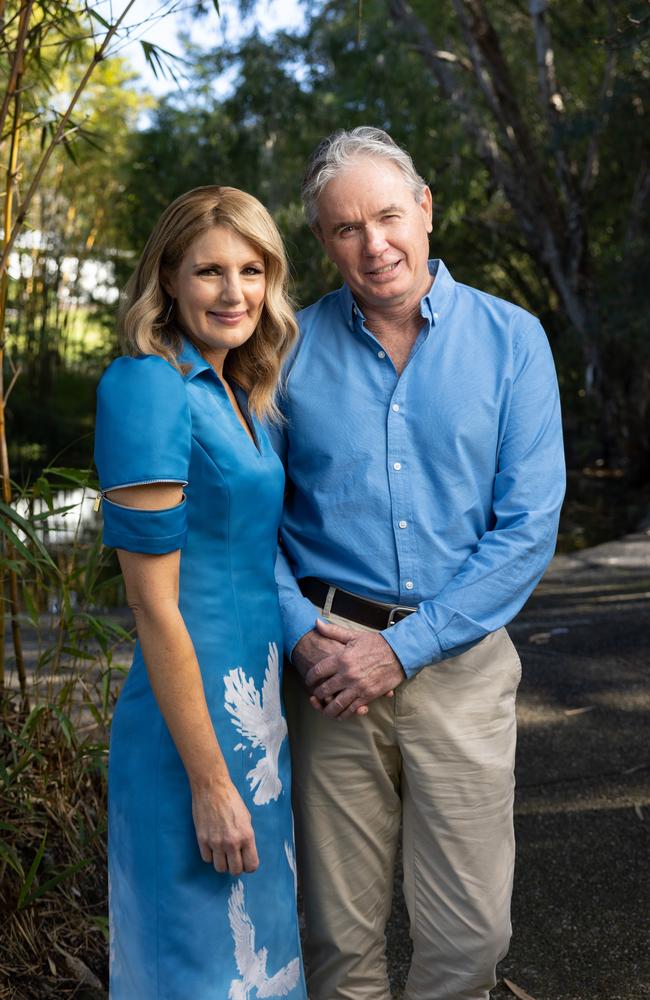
[179, 930]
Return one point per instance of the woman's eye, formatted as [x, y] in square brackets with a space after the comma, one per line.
[253, 270]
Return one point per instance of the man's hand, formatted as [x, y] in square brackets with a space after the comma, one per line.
[313, 647]
[362, 667]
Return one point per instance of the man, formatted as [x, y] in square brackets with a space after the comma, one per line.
[424, 460]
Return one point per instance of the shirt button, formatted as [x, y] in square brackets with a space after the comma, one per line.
[397, 466]
[436, 316]
[403, 524]
[395, 407]
[381, 354]
[409, 585]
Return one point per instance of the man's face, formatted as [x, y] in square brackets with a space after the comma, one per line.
[375, 232]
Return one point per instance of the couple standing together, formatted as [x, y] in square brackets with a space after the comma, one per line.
[416, 442]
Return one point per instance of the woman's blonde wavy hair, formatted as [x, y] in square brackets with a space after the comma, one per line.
[146, 318]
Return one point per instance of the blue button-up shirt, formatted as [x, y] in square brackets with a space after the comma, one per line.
[438, 488]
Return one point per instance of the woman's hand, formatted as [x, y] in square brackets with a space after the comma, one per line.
[224, 829]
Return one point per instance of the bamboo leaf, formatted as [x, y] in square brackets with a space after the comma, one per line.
[93, 13]
[66, 727]
[160, 61]
[31, 874]
[80, 477]
[31, 722]
[51, 883]
[27, 530]
[30, 606]
[9, 855]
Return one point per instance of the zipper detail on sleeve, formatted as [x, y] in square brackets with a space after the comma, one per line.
[141, 482]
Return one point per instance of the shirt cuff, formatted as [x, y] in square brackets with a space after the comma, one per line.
[300, 619]
[152, 531]
[413, 643]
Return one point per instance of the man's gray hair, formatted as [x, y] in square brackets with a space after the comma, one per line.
[334, 153]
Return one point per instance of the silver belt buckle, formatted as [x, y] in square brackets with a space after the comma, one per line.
[397, 607]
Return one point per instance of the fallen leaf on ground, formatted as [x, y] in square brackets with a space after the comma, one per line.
[517, 990]
[579, 711]
[539, 638]
[80, 971]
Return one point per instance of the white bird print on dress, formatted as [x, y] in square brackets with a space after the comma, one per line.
[260, 721]
[252, 964]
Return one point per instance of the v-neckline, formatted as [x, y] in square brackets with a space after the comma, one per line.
[242, 402]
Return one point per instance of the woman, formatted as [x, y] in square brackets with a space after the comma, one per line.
[201, 857]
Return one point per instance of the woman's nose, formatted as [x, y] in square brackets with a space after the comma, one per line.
[231, 289]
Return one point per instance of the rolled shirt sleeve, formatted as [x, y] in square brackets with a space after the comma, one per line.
[143, 436]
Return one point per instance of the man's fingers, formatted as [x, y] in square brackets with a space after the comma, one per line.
[315, 703]
[332, 631]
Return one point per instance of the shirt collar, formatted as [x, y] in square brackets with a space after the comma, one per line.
[433, 305]
[192, 357]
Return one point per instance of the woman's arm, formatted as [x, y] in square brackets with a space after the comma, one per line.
[221, 819]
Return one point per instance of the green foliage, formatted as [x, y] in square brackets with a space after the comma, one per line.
[53, 758]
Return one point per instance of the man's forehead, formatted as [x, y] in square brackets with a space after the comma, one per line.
[353, 194]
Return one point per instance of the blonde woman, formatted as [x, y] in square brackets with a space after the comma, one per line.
[201, 856]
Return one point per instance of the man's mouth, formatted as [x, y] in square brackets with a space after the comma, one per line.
[386, 269]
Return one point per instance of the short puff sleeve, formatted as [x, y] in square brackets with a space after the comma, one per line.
[143, 435]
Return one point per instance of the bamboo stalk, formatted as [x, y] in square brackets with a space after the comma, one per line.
[11, 575]
[17, 64]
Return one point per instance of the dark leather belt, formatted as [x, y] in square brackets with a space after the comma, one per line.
[357, 609]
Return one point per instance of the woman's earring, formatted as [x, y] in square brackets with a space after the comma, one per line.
[168, 313]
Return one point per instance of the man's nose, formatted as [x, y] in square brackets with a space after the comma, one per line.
[374, 241]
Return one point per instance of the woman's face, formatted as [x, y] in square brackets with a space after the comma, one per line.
[219, 290]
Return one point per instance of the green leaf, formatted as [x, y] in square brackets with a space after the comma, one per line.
[160, 61]
[53, 882]
[30, 606]
[66, 727]
[27, 530]
[31, 874]
[98, 18]
[9, 855]
[80, 477]
[31, 722]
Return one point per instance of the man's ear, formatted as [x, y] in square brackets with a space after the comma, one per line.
[426, 205]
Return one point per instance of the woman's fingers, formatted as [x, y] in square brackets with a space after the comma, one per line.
[250, 858]
[234, 861]
[219, 861]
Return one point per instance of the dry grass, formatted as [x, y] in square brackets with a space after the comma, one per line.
[53, 900]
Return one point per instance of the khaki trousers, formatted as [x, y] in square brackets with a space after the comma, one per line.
[438, 756]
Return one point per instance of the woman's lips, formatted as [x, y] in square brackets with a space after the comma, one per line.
[231, 319]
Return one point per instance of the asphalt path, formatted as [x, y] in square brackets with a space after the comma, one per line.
[581, 902]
